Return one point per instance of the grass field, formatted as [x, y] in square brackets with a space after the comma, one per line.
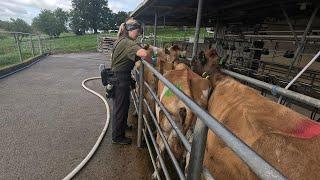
[9, 53]
[70, 43]
[66, 43]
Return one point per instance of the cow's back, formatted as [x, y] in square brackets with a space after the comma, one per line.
[272, 130]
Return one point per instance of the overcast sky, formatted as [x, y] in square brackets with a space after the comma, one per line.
[28, 9]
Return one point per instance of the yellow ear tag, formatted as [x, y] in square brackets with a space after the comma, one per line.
[205, 74]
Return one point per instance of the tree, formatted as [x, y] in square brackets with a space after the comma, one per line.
[120, 17]
[16, 25]
[77, 25]
[62, 18]
[93, 14]
[52, 23]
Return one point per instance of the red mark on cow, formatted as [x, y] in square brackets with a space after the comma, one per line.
[306, 129]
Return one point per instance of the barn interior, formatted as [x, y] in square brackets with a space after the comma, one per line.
[271, 41]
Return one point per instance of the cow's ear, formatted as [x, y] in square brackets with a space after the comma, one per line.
[175, 47]
[146, 46]
[166, 51]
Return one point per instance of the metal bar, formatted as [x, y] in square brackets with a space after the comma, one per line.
[276, 89]
[143, 33]
[18, 45]
[301, 72]
[289, 23]
[151, 155]
[140, 121]
[297, 31]
[251, 158]
[273, 36]
[32, 46]
[154, 142]
[303, 39]
[206, 174]
[197, 30]
[197, 151]
[134, 100]
[40, 45]
[184, 140]
[6, 32]
[174, 160]
[155, 27]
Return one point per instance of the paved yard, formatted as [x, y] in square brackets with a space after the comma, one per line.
[49, 123]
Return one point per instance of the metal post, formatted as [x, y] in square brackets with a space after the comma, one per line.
[303, 39]
[289, 23]
[40, 45]
[143, 33]
[140, 120]
[275, 51]
[32, 47]
[50, 45]
[197, 150]
[301, 72]
[215, 35]
[155, 28]
[197, 31]
[164, 22]
[18, 44]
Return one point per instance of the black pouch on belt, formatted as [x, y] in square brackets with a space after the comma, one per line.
[106, 76]
[110, 80]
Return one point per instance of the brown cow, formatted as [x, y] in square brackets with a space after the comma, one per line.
[196, 88]
[164, 63]
[284, 138]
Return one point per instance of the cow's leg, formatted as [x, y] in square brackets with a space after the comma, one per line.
[182, 116]
[161, 149]
[189, 136]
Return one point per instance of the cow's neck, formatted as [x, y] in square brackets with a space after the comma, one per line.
[216, 77]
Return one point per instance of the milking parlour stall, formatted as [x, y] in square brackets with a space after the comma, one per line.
[234, 93]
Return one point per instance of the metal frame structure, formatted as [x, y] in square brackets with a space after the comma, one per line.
[253, 160]
[206, 121]
[17, 39]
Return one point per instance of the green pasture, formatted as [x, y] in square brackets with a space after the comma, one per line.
[71, 43]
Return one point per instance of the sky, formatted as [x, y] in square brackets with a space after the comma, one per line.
[28, 9]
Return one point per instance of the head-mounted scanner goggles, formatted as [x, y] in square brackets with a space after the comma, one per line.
[133, 26]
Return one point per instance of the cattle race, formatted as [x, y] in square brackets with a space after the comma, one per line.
[190, 90]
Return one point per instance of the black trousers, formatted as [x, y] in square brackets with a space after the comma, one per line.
[121, 103]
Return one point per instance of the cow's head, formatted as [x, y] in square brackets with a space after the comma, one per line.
[208, 67]
[172, 53]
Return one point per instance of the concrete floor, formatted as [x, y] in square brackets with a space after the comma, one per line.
[49, 123]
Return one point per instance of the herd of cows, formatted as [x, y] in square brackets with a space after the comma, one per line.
[287, 140]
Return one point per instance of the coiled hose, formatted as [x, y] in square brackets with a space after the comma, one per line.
[95, 147]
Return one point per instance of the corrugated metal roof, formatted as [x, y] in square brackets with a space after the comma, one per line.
[184, 12]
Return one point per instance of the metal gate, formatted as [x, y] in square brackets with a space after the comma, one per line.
[204, 121]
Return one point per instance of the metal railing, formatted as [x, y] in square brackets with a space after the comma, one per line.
[16, 47]
[276, 90]
[205, 121]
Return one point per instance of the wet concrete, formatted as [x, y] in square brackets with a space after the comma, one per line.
[49, 123]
